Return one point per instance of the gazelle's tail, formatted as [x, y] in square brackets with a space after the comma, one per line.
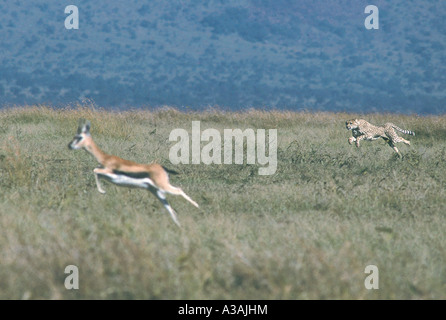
[402, 130]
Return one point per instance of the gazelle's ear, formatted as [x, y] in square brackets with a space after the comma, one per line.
[84, 126]
[87, 127]
[81, 124]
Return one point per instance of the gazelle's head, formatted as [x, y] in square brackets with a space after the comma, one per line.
[82, 137]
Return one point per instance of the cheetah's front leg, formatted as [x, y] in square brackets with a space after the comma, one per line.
[359, 139]
[351, 140]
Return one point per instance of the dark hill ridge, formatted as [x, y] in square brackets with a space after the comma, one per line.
[307, 54]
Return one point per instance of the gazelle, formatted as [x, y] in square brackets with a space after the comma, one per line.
[127, 173]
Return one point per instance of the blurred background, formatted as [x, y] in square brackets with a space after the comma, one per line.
[235, 54]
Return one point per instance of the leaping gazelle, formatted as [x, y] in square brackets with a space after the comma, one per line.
[127, 173]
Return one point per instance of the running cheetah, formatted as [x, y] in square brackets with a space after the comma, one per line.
[363, 130]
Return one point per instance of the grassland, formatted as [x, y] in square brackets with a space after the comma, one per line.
[306, 232]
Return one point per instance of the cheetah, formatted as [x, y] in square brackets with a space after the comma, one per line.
[363, 130]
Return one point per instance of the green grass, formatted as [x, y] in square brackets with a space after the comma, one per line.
[306, 232]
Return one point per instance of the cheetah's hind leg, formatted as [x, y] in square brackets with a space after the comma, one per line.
[392, 145]
[397, 138]
[405, 141]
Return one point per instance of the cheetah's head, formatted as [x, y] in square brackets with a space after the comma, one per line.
[352, 124]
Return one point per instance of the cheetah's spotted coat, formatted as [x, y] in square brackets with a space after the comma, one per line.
[363, 130]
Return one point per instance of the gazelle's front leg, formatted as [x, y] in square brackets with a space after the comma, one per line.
[97, 172]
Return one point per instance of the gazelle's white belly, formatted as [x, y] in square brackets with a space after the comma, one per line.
[126, 181]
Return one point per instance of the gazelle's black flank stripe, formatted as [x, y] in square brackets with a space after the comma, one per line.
[140, 175]
[136, 175]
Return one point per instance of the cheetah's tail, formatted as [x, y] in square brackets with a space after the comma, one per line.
[402, 130]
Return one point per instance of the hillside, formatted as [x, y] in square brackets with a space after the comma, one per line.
[233, 54]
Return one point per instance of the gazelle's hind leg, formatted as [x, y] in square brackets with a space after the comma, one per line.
[161, 197]
[177, 191]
